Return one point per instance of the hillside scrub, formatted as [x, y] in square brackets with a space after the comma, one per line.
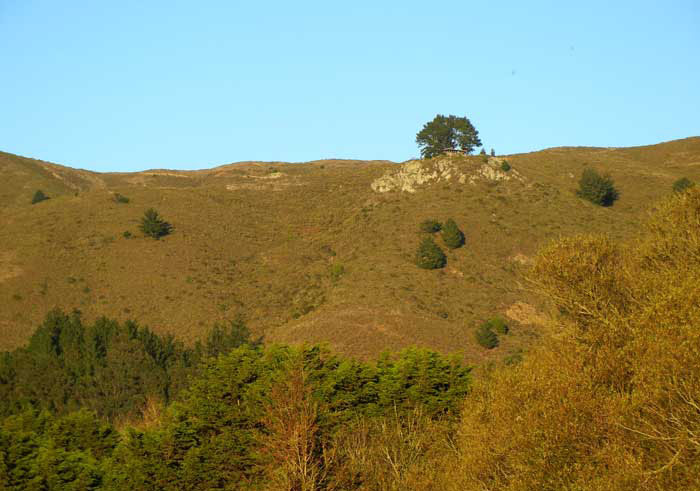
[430, 226]
[152, 225]
[610, 400]
[682, 184]
[38, 197]
[452, 236]
[597, 189]
[486, 337]
[429, 255]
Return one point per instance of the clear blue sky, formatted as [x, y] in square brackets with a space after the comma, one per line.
[133, 85]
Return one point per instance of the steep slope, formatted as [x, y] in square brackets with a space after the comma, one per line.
[311, 252]
[21, 177]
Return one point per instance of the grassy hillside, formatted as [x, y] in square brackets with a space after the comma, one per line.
[261, 240]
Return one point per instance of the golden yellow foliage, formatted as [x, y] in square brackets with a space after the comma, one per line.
[611, 400]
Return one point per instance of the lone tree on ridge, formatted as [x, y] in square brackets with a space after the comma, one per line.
[447, 133]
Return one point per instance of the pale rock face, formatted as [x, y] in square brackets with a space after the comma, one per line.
[419, 173]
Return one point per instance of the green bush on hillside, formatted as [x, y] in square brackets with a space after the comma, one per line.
[597, 189]
[452, 235]
[498, 325]
[120, 198]
[430, 226]
[39, 196]
[429, 255]
[152, 225]
[486, 337]
[505, 166]
[682, 184]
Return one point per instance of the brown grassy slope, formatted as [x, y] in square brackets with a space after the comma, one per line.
[20, 177]
[260, 239]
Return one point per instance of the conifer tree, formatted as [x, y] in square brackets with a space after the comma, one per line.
[152, 225]
[452, 235]
[39, 196]
[429, 255]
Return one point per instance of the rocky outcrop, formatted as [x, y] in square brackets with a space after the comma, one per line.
[415, 174]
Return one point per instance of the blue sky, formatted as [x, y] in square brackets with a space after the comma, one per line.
[135, 85]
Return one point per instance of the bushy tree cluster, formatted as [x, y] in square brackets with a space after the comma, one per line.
[108, 367]
[597, 189]
[247, 418]
[429, 255]
[447, 133]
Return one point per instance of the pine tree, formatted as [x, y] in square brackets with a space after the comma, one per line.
[429, 255]
[452, 235]
[152, 225]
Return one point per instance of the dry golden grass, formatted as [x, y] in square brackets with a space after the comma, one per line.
[246, 243]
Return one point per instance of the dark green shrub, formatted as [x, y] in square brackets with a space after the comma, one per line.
[120, 198]
[597, 189]
[498, 325]
[39, 196]
[126, 234]
[429, 255]
[682, 184]
[493, 153]
[452, 235]
[486, 337]
[483, 151]
[430, 226]
[505, 166]
[152, 225]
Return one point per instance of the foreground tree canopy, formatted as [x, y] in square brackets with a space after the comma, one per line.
[447, 133]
